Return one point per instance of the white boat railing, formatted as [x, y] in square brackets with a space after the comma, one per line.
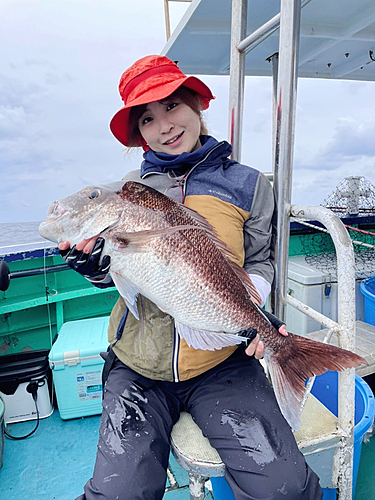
[285, 79]
[345, 330]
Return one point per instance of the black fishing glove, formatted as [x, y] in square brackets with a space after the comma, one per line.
[251, 333]
[276, 322]
[88, 264]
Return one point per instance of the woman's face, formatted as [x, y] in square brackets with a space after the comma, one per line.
[170, 126]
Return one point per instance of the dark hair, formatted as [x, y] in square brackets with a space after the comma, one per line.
[188, 96]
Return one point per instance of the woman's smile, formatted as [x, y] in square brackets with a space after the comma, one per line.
[173, 141]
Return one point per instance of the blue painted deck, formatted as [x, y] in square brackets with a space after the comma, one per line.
[56, 461]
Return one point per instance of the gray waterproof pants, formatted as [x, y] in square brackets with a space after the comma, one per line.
[236, 409]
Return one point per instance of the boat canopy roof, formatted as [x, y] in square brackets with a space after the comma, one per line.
[337, 39]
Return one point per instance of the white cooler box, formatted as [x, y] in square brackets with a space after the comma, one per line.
[319, 291]
[77, 366]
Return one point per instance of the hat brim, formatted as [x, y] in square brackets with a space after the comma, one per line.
[119, 124]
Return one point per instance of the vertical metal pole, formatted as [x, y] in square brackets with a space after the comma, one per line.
[346, 387]
[343, 464]
[59, 315]
[196, 486]
[290, 15]
[274, 60]
[237, 76]
[167, 20]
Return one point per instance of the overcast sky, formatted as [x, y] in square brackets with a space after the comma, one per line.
[60, 66]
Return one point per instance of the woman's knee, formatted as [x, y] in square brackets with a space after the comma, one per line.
[281, 479]
[294, 479]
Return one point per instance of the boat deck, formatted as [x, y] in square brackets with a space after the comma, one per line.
[56, 461]
[364, 345]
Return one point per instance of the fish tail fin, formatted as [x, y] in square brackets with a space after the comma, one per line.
[306, 358]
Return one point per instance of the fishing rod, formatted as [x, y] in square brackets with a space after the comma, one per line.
[6, 275]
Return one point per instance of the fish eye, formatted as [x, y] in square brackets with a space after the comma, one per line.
[94, 194]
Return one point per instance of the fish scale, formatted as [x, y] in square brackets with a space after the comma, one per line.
[171, 255]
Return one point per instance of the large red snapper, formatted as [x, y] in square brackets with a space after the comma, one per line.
[171, 255]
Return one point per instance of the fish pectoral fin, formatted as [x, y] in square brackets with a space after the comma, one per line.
[207, 341]
[127, 291]
[138, 241]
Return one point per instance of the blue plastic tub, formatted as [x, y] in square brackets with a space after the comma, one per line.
[325, 389]
[2, 408]
[368, 290]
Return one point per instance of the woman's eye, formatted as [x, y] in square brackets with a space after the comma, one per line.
[171, 106]
[148, 119]
[94, 194]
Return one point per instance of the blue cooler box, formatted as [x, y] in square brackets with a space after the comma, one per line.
[77, 366]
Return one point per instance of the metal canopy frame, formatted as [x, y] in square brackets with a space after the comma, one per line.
[337, 38]
[167, 16]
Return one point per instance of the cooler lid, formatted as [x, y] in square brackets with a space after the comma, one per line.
[85, 338]
[301, 272]
[23, 366]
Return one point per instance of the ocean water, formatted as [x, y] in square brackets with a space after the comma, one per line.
[17, 236]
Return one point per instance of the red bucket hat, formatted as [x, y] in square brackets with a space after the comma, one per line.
[151, 79]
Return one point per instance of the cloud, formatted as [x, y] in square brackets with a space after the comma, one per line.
[58, 79]
[15, 91]
[350, 151]
[46, 63]
[334, 138]
[351, 139]
[61, 63]
[313, 183]
[12, 121]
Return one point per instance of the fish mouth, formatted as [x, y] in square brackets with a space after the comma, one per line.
[174, 139]
[55, 212]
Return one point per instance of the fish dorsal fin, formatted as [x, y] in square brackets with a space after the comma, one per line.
[207, 341]
[139, 194]
[226, 251]
[137, 241]
[246, 281]
[127, 291]
[209, 230]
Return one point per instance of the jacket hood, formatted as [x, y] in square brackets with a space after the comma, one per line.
[164, 163]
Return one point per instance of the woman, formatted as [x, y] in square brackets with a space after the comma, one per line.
[153, 374]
